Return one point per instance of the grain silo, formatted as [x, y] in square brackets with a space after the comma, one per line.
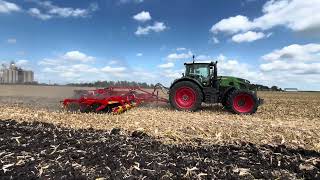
[10, 74]
[5, 76]
[28, 76]
[25, 75]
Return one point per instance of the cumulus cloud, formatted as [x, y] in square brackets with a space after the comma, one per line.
[35, 12]
[293, 66]
[248, 37]
[139, 54]
[177, 56]
[142, 16]
[75, 66]
[296, 59]
[232, 25]
[77, 56]
[8, 7]
[166, 65]
[71, 72]
[156, 27]
[295, 52]
[50, 10]
[296, 15]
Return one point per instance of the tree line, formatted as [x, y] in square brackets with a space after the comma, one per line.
[112, 83]
[260, 87]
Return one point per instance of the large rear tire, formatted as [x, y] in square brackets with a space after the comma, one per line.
[186, 96]
[243, 102]
[224, 101]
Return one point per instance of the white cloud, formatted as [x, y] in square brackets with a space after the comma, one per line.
[156, 27]
[167, 65]
[49, 62]
[175, 56]
[139, 54]
[232, 25]
[181, 49]
[294, 59]
[113, 70]
[75, 66]
[22, 62]
[203, 58]
[12, 41]
[77, 56]
[293, 66]
[295, 52]
[215, 40]
[50, 11]
[71, 72]
[172, 74]
[35, 12]
[297, 15]
[142, 16]
[8, 7]
[248, 37]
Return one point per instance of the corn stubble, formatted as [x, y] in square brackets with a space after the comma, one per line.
[291, 119]
[39, 140]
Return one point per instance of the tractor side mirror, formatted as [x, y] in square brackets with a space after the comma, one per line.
[182, 74]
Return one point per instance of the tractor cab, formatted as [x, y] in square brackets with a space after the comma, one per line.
[203, 72]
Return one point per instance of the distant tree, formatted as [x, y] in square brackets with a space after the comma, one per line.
[274, 88]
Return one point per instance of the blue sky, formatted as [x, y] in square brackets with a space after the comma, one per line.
[272, 42]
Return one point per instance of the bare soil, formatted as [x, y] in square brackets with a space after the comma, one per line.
[41, 150]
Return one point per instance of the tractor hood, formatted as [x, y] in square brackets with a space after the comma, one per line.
[231, 78]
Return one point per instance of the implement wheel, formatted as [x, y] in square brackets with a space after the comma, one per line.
[243, 102]
[185, 96]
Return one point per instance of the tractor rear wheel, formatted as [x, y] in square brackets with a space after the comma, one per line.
[243, 102]
[185, 96]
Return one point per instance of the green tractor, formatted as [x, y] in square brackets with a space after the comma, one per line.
[201, 83]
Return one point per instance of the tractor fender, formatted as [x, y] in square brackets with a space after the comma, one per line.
[187, 79]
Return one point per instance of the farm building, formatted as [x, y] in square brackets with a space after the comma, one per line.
[291, 89]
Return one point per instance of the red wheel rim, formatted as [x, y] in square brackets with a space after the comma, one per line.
[185, 97]
[243, 103]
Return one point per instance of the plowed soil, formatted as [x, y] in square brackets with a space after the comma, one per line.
[40, 150]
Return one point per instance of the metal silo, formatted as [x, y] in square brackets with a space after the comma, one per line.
[25, 76]
[10, 76]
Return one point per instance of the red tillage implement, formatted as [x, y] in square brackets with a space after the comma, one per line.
[112, 99]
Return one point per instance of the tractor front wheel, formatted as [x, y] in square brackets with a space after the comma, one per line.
[185, 96]
[243, 102]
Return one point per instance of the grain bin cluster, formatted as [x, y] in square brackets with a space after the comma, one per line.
[15, 75]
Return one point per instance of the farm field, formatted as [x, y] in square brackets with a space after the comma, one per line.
[281, 140]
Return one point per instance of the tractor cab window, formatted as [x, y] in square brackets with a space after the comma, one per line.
[198, 71]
